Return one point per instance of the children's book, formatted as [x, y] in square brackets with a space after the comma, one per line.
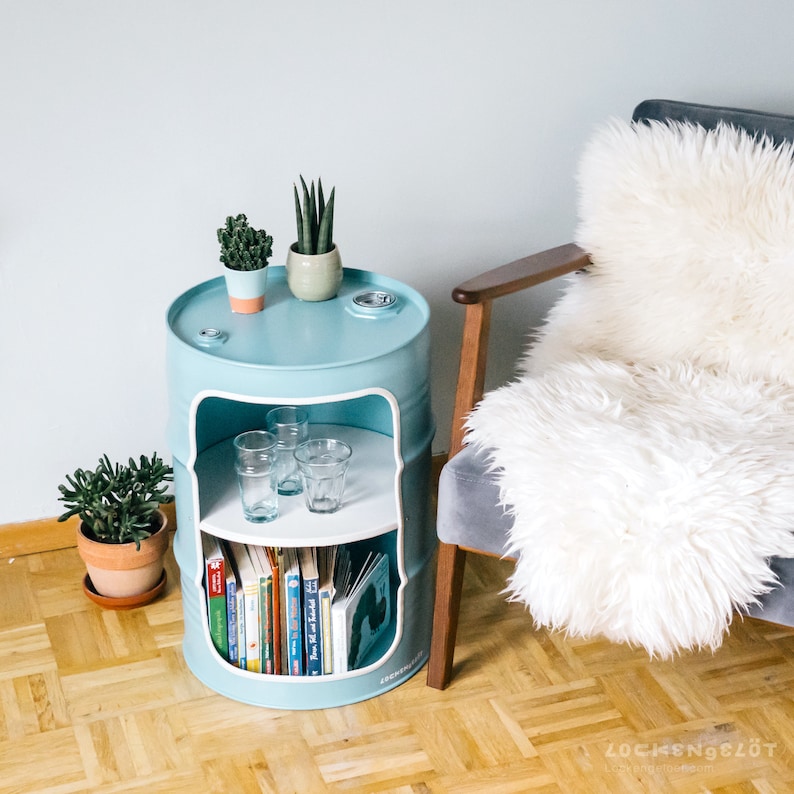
[267, 617]
[215, 585]
[231, 609]
[275, 565]
[250, 584]
[326, 559]
[360, 612]
[294, 612]
[310, 577]
[238, 641]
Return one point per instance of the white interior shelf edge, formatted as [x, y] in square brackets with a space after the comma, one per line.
[370, 504]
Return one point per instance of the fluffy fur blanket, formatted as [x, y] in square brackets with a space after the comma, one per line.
[646, 449]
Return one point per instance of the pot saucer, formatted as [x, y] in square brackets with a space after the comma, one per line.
[127, 602]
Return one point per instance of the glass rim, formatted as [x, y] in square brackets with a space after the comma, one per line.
[301, 415]
[343, 449]
[267, 440]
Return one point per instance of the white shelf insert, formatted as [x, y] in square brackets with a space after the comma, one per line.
[370, 505]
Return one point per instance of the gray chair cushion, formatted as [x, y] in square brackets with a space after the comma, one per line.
[469, 515]
[468, 504]
[777, 606]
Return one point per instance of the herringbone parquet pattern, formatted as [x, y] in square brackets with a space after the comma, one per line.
[98, 701]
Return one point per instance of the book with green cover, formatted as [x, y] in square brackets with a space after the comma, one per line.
[215, 586]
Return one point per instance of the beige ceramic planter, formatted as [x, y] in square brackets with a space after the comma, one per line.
[118, 570]
[314, 277]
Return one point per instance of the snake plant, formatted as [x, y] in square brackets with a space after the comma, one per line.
[315, 219]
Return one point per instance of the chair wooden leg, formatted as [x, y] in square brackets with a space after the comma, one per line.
[449, 584]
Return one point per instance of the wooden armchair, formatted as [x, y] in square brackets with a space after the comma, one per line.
[478, 295]
[480, 525]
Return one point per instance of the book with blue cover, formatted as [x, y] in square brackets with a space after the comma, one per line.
[312, 626]
[231, 611]
[293, 612]
[235, 632]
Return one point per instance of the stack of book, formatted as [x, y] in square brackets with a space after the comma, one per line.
[294, 611]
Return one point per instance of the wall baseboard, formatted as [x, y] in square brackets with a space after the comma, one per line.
[47, 534]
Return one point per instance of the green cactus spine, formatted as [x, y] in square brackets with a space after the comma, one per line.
[242, 247]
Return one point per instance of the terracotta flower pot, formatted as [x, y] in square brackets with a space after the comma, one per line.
[118, 570]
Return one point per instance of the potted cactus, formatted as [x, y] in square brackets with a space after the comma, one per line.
[122, 536]
[314, 267]
[245, 252]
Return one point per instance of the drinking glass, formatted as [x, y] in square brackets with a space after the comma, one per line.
[290, 425]
[323, 462]
[256, 455]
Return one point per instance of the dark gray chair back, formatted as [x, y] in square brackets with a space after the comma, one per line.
[777, 126]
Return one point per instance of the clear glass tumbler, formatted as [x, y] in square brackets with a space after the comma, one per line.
[256, 458]
[323, 462]
[290, 425]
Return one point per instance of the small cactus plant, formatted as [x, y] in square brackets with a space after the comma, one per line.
[242, 247]
[315, 219]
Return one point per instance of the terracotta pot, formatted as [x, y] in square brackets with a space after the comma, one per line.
[118, 570]
[314, 277]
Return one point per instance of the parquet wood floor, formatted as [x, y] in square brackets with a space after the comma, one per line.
[98, 701]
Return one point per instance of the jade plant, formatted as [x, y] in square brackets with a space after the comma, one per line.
[243, 247]
[118, 503]
[315, 219]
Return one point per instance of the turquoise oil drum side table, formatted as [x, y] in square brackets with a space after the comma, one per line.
[360, 365]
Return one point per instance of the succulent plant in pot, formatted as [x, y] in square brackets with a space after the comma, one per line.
[314, 267]
[245, 252]
[123, 534]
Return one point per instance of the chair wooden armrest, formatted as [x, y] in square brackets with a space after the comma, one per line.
[478, 294]
[529, 271]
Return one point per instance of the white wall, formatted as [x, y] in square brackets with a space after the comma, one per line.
[451, 130]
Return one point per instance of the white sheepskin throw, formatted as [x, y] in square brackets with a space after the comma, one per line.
[646, 450]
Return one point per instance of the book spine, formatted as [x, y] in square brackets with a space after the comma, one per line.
[252, 661]
[276, 582]
[242, 655]
[266, 620]
[216, 604]
[294, 624]
[339, 632]
[326, 632]
[311, 611]
[231, 621]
